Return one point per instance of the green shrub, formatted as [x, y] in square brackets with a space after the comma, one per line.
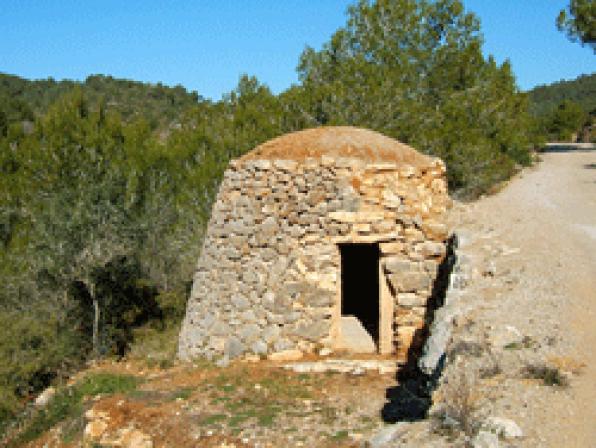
[34, 350]
[68, 402]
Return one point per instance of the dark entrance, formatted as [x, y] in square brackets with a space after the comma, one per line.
[360, 285]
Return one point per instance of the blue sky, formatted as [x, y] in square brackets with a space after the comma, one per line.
[205, 45]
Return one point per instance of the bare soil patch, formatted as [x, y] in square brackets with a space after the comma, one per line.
[244, 404]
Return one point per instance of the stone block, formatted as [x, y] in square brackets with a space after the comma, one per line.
[435, 230]
[233, 348]
[391, 248]
[259, 347]
[354, 337]
[347, 162]
[268, 227]
[503, 427]
[238, 241]
[352, 217]
[410, 281]
[327, 161]
[405, 317]
[282, 345]
[314, 331]
[268, 300]
[249, 332]
[438, 186]
[271, 333]
[398, 264]
[431, 249]
[240, 303]
[262, 164]
[220, 329]
[286, 355]
[362, 228]
[485, 439]
[381, 167]
[320, 298]
[315, 197]
[407, 171]
[207, 320]
[250, 276]
[384, 226]
[285, 165]
[390, 199]
[248, 316]
[413, 235]
[237, 227]
[216, 343]
[410, 299]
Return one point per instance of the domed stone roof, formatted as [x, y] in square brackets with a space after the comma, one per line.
[338, 141]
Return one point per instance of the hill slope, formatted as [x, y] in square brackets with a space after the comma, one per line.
[581, 90]
[158, 104]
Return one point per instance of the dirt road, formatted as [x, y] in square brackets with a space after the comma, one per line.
[543, 225]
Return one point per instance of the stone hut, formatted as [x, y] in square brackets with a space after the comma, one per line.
[329, 237]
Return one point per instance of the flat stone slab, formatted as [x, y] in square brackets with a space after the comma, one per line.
[354, 336]
[352, 366]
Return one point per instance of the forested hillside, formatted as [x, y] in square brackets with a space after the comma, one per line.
[159, 105]
[102, 213]
[566, 110]
[581, 90]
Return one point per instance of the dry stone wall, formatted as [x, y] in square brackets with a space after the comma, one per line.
[268, 278]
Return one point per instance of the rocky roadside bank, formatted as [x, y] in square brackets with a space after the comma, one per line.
[519, 359]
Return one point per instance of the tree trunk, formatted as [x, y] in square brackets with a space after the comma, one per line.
[95, 323]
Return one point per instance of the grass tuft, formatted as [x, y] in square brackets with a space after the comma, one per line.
[550, 376]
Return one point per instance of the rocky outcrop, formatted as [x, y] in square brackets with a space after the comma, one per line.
[98, 432]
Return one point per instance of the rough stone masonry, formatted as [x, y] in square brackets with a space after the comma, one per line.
[269, 275]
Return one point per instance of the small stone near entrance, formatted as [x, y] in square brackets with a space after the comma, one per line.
[485, 439]
[286, 355]
[386, 435]
[503, 427]
[354, 336]
[351, 366]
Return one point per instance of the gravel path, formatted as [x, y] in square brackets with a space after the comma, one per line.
[532, 296]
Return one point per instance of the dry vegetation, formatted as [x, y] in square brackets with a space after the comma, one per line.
[244, 404]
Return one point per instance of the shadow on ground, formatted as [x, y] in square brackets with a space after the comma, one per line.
[567, 147]
[411, 399]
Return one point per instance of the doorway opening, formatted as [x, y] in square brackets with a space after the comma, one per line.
[360, 295]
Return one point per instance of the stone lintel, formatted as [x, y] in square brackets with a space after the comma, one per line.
[379, 167]
[351, 217]
[365, 239]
